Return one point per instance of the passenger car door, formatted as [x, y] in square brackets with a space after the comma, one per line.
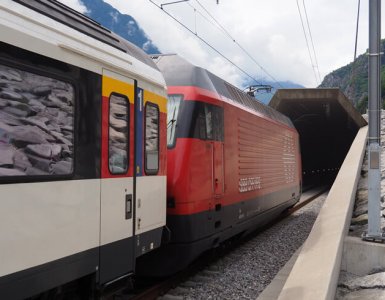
[117, 183]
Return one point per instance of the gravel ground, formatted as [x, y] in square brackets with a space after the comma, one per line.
[246, 271]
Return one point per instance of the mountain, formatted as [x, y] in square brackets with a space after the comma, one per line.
[352, 79]
[123, 25]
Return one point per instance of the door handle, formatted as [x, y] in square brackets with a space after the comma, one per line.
[128, 206]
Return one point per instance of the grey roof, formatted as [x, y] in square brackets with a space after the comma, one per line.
[179, 72]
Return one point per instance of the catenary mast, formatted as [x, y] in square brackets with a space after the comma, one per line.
[374, 109]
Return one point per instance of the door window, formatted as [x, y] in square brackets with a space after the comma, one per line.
[118, 134]
[151, 138]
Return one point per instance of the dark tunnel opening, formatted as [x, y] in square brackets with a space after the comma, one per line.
[327, 124]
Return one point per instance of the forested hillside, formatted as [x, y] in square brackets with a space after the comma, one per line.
[353, 80]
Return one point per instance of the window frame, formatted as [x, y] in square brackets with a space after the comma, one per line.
[217, 130]
[127, 135]
[50, 73]
[180, 108]
[146, 170]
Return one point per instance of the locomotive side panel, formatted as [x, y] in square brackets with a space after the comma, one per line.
[233, 164]
[198, 216]
[266, 156]
[258, 159]
[261, 159]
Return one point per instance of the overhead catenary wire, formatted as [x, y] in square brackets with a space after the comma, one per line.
[307, 44]
[216, 22]
[208, 44]
[357, 24]
[202, 15]
[353, 73]
[212, 22]
[239, 45]
[311, 40]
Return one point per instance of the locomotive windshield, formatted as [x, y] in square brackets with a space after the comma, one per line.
[193, 119]
[173, 105]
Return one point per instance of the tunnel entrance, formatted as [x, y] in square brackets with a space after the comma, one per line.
[327, 123]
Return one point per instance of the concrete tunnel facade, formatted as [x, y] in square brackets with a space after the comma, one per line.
[327, 123]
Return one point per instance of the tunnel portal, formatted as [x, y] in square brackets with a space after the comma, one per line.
[327, 123]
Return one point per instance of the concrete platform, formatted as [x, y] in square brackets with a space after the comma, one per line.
[315, 272]
[360, 257]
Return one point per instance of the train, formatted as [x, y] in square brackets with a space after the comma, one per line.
[82, 138]
[234, 164]
[114, 163]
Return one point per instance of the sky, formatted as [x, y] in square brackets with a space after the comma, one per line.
[269, 31]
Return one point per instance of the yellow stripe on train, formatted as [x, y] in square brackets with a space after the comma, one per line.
[157, 99]
[111, 85]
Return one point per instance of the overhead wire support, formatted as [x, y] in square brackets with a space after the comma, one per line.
[174, 2]
[206, 43]
[202, 15]
[375, 232]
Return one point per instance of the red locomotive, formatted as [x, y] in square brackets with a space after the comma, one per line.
[233, 164]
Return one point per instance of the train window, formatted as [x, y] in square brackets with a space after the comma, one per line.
[36, 124]
[200, 126]
[152, 138]
[200, 120]
[118, 134]
[173, 105]
[209, 122]
[217, 117]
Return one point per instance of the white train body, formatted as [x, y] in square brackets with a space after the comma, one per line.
[82, 150]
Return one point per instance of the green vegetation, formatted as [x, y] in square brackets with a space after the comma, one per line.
[362, 105]
[353, 80]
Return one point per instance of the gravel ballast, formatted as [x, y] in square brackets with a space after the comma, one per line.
[246, 271]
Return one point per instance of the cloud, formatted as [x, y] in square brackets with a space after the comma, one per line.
[146, 45]
[114, 16]
[270, 31]
[76, 5]
[131, 29]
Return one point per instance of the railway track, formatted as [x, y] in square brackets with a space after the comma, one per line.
[307, 197]
[212, 264]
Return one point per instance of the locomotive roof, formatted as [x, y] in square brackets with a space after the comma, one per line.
[69, 17]
[179, 72]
